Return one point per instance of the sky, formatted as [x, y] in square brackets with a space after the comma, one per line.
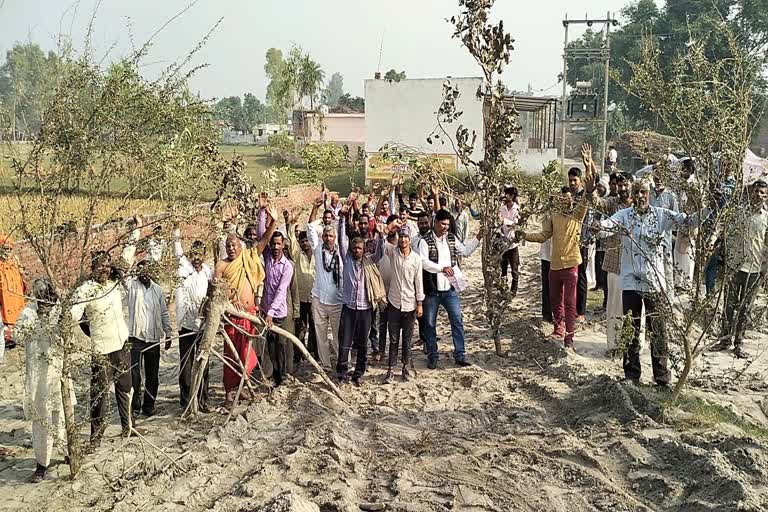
[344, 36]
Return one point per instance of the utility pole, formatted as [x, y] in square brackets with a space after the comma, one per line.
[603, 54]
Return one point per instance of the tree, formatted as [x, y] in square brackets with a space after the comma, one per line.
[280, 90]
[490, 47]
[310, 80]
[706, 101]
[355, 104]
[26, 80]
[394, 76]
[335, 90]
[105, 126]
[230, 110]
[254, 112]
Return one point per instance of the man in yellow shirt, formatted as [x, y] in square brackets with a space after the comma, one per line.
[564, 225]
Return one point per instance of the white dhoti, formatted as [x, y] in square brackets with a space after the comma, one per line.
[591, 277]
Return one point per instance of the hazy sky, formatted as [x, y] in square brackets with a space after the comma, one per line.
[342, 35]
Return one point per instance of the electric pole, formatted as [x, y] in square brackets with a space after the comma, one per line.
[603, 54]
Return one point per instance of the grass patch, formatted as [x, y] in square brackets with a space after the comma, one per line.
[702, 414]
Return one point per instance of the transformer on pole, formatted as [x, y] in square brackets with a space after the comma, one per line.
[583, 105]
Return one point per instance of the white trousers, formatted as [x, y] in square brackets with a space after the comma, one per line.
[591, 276]
[324, 316]
[45, 434]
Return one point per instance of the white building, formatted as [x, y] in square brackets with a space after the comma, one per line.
[405, 113]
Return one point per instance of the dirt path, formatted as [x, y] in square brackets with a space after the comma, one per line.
[537, 430]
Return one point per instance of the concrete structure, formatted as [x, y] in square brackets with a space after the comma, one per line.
[346, 130]
[405, 113]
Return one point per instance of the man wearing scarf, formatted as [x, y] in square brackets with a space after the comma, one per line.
[244, 271]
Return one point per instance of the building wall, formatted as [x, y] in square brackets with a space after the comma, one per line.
[339, 128]
[404, 112]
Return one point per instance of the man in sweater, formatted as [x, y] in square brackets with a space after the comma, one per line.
[362, 290]
[747, 263]
[564, 226]
[612, 259]
[439, 250]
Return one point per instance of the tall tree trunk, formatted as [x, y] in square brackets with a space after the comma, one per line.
[73, 438]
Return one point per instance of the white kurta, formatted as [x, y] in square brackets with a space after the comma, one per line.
[42, 383]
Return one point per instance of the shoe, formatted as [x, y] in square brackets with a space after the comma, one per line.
[203, 408]
[390, 378]
[148, 412]
[740, 353]
[721, 346]
[661, 385]
[342, 379]
[432, 364]
[632, 382]
[38, 475]
[357, 380]
[570, 350]
[406, 375]
[462, 362]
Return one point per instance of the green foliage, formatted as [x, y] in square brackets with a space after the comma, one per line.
[26, 82]
[320, 159]
[355, 104]
[280, 145]
[672, 27]
[292, 79]
[394, 75]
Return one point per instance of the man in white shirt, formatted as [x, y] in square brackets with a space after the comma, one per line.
[148, 321]
[194, 277]
[509, 214]
[100, 300]
[613, 158]
[439, 251]
[746, 261]
[326, 291]
[405, 295]
[643, 278]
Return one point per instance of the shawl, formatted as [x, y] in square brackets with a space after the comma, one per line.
[246, 268]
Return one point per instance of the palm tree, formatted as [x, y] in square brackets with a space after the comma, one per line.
[310, 80]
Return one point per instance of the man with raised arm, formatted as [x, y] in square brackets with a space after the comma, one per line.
[244, 272]
[564, 226]
[194, 277]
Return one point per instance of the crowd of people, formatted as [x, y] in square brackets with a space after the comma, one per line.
[365, 272]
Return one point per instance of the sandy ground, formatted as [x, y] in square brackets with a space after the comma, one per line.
[535, 430]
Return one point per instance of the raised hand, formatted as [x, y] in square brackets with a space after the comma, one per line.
[318, 202]
[263, 200]
[586, 155]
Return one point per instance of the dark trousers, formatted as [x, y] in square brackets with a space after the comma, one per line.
[146, 356]
[355, 326]
[546, 306]
[633, 302]
[581, 286]
[279, 352]
[378, 334]
[400, 322]
[306, 324]
[740, 295]
[106, 370]
[189, 345]
[511, 259]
